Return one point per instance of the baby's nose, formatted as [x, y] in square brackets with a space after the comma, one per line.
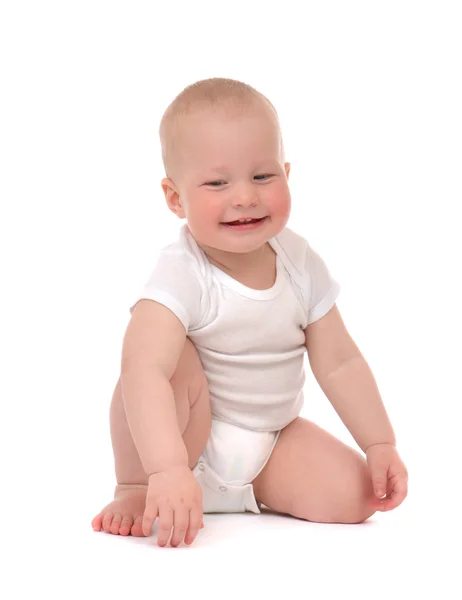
[246, 199]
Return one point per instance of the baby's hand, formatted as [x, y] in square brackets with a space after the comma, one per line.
[389, 476]
[175, 497]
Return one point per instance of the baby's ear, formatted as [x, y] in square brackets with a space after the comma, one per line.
[172, 197]
[287, 168]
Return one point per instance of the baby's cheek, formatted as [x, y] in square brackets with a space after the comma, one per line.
[282, 205]
[208, 212]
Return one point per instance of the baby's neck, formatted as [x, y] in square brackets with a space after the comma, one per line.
[257, 271]
[232, 262]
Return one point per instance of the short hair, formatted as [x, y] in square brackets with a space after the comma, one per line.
[228, 96]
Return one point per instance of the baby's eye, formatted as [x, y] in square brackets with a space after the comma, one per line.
[217, 183]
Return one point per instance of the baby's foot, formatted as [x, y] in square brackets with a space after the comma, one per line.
[124, 514]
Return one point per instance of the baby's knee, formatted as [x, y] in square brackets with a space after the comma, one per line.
[359, 506]
[190, 387]
[189, 371]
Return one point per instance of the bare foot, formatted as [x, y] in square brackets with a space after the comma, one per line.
[124, 514]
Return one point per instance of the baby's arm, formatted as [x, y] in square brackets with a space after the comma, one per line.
[152, 347]
[347, 381]
[153, 344]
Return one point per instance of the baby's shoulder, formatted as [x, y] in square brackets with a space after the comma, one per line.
[292, 247]
[182, 255]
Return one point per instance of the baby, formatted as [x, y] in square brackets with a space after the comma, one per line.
[205, 414]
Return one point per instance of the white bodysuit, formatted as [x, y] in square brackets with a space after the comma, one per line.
[251, 344]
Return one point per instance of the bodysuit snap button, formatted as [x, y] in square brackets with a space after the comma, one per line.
[201, 467]
[222, 488]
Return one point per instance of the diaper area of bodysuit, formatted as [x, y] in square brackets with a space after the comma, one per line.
[232, 458]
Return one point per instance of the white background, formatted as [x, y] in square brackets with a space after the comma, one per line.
[369, 96]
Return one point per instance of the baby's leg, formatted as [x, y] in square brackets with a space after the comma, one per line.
[124, 515]
[314, 476]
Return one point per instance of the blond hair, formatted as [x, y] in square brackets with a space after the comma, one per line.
[228, 96]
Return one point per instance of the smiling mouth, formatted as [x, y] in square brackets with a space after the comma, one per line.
[238, 222]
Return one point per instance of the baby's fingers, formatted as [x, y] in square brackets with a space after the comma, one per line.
[181, 524]
[195, 523]
[149, 517]
[396, 497]
[165, 525]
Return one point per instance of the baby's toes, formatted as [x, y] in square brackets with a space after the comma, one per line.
[107, 521]
[137, 530]
[116, 521]
[97, 522]
[126, 525]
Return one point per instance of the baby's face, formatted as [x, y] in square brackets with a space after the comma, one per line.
[231, 169]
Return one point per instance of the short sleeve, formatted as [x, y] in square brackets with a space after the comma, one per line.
[174, 282]
[324, 289]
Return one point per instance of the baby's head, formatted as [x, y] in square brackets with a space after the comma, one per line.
[223, 155]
